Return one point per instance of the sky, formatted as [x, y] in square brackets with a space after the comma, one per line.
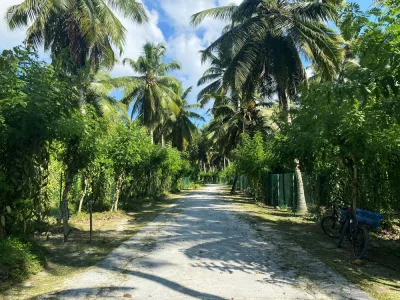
[169, 23]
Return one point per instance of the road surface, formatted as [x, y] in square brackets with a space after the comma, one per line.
[201, 249]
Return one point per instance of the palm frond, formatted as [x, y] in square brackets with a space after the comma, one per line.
[222, 13]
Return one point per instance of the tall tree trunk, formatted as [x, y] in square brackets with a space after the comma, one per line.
[235, 180]
[69, 178]
[85, 182]
[117, 193]
[224, 162]
[244, 123]
[152, 135]
[162, 140]
[284, 100]
[301, 199]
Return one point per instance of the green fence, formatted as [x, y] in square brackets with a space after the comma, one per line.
[213, 180]
[185, 182]
[281, 189]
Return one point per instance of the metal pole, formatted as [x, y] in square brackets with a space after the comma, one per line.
[91, 219]
[61, 183]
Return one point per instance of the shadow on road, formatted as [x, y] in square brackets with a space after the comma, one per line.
[220, 243]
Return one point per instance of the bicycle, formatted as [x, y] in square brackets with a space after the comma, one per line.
[332, 224]
[355, 227]
[358, 234]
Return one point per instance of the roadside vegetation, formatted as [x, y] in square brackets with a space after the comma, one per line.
[339, 123]
[300, 87]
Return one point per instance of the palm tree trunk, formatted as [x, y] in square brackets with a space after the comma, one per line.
[244, 123]
[162, 140]
[85, 182]
[301, 199]
[69, 178]
[152, 135]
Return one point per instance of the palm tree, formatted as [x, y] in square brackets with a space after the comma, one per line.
[180, 126]
[85, 31]
[80, 35]
[152, 91]
[269, 40]
[100, 88]
[213, 76]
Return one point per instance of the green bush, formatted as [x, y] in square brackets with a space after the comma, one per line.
[18, 260]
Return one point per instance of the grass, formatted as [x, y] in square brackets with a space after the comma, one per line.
[379, 274]
[63, 260]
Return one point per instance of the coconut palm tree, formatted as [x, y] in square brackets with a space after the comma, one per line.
[180, 127]
[213, 76]
[84, 31]
[269, 40]
[233, 115]
[81, 36]
[152, 90]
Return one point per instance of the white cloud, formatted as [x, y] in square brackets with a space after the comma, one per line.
[185, 48]
[136, 37]
[180, 11]
[309, 72]
[8, 38]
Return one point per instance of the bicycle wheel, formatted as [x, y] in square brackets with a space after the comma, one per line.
[331, 226]
[360, 242]
[343, 232]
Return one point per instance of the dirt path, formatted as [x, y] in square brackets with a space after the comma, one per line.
[200, 249]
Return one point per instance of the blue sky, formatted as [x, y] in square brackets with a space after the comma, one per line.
[169, 23]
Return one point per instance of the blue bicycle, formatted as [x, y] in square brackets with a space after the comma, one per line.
[356, 228]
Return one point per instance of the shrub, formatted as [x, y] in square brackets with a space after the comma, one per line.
[18, 260]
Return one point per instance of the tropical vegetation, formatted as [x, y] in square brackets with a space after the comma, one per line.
[337, 125]
[308, 88]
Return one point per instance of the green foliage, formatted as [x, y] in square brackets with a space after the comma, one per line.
[31, 108]
[18, 260]
[253, 158]
[52, 143]
[343, 128]
[347, 131]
